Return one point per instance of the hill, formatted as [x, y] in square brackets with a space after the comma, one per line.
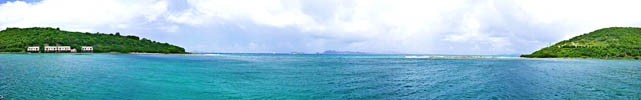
[18, 39]
[607, 43]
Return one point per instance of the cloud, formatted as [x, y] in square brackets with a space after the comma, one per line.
[267, 12]
[80, 15]
[583, 15]
[383, 26]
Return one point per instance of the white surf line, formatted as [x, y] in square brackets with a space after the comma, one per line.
[465, 57]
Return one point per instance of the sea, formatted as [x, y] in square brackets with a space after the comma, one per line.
[97, 76]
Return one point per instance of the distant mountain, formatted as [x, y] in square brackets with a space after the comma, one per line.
[607, 43]
[342, 52]
[18, 39]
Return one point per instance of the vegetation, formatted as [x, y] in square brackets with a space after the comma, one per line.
[18, 39]
[607, 43]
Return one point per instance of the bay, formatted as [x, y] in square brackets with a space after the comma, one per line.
[285, 76]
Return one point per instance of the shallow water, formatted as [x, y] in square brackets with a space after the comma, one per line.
[266, 76]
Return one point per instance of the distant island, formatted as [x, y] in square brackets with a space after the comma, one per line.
[607, 43]
[19, 39]
[342, 52]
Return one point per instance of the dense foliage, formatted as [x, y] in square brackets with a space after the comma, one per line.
[607, 43]
[18, 39]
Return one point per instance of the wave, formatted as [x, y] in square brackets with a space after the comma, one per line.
[465, 57]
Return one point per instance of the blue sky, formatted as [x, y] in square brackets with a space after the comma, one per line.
[377, 26]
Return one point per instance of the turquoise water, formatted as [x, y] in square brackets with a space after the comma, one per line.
[266, 76]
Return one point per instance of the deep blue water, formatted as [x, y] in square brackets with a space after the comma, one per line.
[265, 76]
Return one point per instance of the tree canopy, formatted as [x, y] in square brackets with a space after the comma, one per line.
[607, 43]
[18, 39]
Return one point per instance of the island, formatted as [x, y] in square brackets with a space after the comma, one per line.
[41, 38]
[342, 52]
[606, 43]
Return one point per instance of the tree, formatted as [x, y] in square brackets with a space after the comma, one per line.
[614, 42]
[17, 39]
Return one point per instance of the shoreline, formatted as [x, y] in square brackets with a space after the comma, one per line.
[417, 57]
[490, 57]
[134, 53]
[186, 54]
[465, 57]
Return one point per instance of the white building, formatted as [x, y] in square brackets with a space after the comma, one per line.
[87, 49]
[33, 49]
[57, 48]
[51, 48]
[63, 48]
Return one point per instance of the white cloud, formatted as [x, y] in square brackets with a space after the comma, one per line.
[397, 26]
[80, 15]
[583, 15]
[170, 29]
[267, 12]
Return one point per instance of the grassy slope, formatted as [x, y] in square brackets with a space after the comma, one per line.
[607, 43]
[17, 39]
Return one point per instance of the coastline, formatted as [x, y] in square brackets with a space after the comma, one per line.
[615, 58]
[494, 57]
[12, 52]
[133, 53]
[186, 54]
[465, 57]
[418, 57]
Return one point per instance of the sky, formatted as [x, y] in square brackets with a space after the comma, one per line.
[467, 27]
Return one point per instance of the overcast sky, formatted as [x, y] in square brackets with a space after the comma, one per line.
[377, 26]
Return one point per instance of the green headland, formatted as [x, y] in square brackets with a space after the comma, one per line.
[18, 39]
[607, 43]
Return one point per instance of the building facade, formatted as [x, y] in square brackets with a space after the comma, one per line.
[33, 49]
[58, 49]
[87, 49]
[51, 48]
[63, 49]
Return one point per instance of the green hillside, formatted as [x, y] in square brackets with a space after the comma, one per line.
[607, 43]
[18, 39]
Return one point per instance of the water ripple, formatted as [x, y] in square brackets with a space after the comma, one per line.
[247, 76]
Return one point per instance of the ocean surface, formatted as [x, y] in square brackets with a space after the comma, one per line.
[302, 77]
